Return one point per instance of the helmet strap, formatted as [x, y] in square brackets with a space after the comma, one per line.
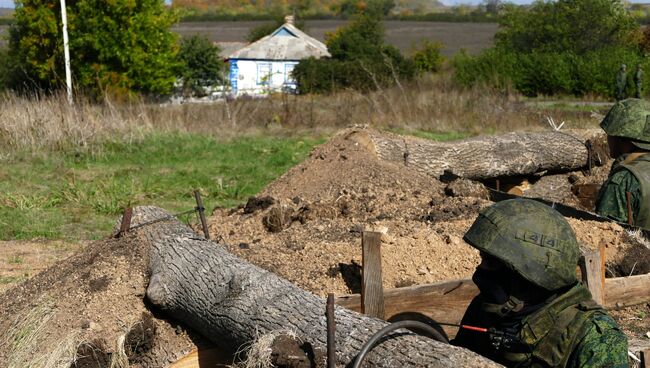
[512, 305]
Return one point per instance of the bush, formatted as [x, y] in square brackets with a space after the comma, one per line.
[566, 47]
[428, 58]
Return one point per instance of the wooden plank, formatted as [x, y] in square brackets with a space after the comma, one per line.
[627, 291]
[203, 358]
[442, 302]
[645, 359]
[372, 290]
[591, 273]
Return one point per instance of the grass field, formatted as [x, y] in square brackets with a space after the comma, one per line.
[79, 196]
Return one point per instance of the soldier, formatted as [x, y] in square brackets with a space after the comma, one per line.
[627, 189]
[538, 312]
[638, 81]
[621, 82]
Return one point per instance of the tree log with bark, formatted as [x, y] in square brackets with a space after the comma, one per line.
[232, 302]
[486, 157]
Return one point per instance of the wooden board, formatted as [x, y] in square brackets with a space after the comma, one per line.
[372, 291]
[202, 358]
[627, 291]
[591, 273]
[441, 302]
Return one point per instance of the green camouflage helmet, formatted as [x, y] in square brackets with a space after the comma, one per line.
[531, 238]
[629, 119]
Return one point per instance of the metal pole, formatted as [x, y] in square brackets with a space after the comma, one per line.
[201, 209]
[66, 52]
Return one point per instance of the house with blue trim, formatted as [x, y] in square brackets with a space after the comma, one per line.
[265, 65]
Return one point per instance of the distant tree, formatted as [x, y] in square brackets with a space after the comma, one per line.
[551, 47]
[576, 26]
[201, 65]
[118, 46]
[492, 6]
[360, 59]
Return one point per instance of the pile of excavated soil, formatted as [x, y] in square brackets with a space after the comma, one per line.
[82, 306]
[307, 225]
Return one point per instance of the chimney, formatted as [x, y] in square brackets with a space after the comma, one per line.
[288, 19]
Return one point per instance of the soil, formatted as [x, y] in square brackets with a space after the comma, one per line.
[306, 226]
[90, 300]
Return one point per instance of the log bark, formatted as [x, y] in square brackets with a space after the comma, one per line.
[485, 157]
[231, 302]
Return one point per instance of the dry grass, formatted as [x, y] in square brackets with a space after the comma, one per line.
[26, 336]
[430, 103]
[258, 353]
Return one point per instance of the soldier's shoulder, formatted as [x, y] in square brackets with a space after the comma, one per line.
[622, 176]
[603, 344]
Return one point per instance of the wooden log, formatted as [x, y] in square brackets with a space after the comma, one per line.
[440, 302]
[372, 290]
[232, 302]
[591, 272]
[512, 154]
[627, 291]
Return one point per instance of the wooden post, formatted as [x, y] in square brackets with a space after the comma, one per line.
[372, 292]
[126, 222]
[331, 332]
[592, 275]
[645, 359]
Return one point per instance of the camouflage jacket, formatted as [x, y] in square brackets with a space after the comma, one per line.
[631, 176]
[568, 332]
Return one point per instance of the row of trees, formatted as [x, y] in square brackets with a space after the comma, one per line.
[125, 47]
[119, 47]
[558, 47]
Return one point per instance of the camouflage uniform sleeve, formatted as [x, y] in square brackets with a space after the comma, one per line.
[603, 346]
[612, 201]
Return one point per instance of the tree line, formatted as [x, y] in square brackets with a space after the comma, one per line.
[125, 48]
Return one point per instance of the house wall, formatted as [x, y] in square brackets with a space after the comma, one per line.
[257, 77]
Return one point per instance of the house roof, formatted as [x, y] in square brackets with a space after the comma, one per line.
[285, 43]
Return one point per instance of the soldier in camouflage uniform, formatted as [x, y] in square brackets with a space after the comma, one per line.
[638, 81]
[538, 312]
[627, 188]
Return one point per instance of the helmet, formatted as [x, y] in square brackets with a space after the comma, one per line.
[529, 237]
[629, 119]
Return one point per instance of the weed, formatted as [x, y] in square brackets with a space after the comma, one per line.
[16, 259]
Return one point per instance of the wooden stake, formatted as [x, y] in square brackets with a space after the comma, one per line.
[126, 222]
[331, 332]
[591, 270]
[372, 292]
[630, 213]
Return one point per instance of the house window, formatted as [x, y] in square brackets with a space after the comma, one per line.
[264, 73]
[288, 69]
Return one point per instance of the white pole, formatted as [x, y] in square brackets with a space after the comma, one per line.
[66, 52]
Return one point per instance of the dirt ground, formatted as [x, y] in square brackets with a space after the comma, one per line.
[306, 226]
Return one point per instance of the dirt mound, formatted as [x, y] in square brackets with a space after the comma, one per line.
[90, 305]
[310, 230]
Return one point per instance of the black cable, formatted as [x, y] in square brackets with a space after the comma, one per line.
[432, 332]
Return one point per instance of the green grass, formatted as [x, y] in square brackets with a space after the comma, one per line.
[79, 195]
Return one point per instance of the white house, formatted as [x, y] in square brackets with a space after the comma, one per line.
[266, 65]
